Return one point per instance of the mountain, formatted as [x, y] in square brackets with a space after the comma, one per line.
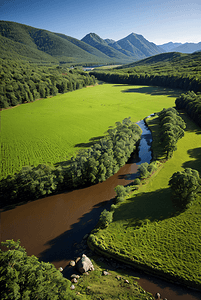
[138, 45]
[188, 48]
[19, 41]
[97, 42]
[133, 46]
[169, 46]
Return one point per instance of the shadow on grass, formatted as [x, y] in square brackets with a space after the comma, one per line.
[149, 206]
[92, 142]
[196, 163]
[153, 91]
[191, 126]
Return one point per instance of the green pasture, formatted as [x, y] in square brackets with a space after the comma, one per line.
[52, 130]
[148, 231]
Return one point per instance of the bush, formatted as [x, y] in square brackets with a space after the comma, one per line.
[121, 191]
[136, 181]
[113, 207]
[105, 219]
[120, 199]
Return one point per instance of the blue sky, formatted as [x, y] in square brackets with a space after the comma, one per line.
[158, 21]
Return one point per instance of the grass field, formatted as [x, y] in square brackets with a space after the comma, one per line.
[52, 130]
[149, 232]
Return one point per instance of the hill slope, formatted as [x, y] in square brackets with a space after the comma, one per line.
[21, 40]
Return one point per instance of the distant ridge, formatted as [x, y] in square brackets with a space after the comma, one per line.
[188, 48]
[169, 46]
[183, 48]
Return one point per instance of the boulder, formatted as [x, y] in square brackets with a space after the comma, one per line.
[105, 273]
[84, 264]
[72, 287]
[72, 263]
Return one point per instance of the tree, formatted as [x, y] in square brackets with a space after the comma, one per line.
[24, 277]
[105, 218]
[185, 185]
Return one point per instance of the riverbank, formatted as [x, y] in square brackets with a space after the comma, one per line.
[148, 233]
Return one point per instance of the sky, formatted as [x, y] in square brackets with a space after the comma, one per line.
[158, 21]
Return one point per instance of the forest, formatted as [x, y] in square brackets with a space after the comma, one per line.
[191, 103]
[22, 82]
[173, 70]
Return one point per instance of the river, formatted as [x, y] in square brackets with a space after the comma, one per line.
[50, 227]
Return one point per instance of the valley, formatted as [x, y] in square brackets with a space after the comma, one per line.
[65, 166]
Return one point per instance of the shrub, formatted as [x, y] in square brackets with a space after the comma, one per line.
[120, 199]
[113, 207]
[121, 191]
[136, 181]
[105, 218]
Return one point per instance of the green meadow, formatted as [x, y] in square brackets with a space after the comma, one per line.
[51, 130]
[147, 231]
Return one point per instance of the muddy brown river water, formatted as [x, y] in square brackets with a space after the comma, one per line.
[50, 227]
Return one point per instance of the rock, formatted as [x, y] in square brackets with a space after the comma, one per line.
[126, 281]
[75, 276]
[74, 280]
[72, 263]
[60, 269]
[84, 264]
[72, 287]
[105, 273]
[157, 296]
[77, 259]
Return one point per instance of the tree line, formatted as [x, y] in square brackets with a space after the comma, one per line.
[169, 80]
[172, 129]
[90, 166]
[22, 82]
[191, 102]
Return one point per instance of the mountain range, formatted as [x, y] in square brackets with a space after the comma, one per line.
[19, 41]
[182, 48]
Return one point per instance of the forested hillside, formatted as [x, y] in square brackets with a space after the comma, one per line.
[18, 41]
[22, 82]
[173, 70]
